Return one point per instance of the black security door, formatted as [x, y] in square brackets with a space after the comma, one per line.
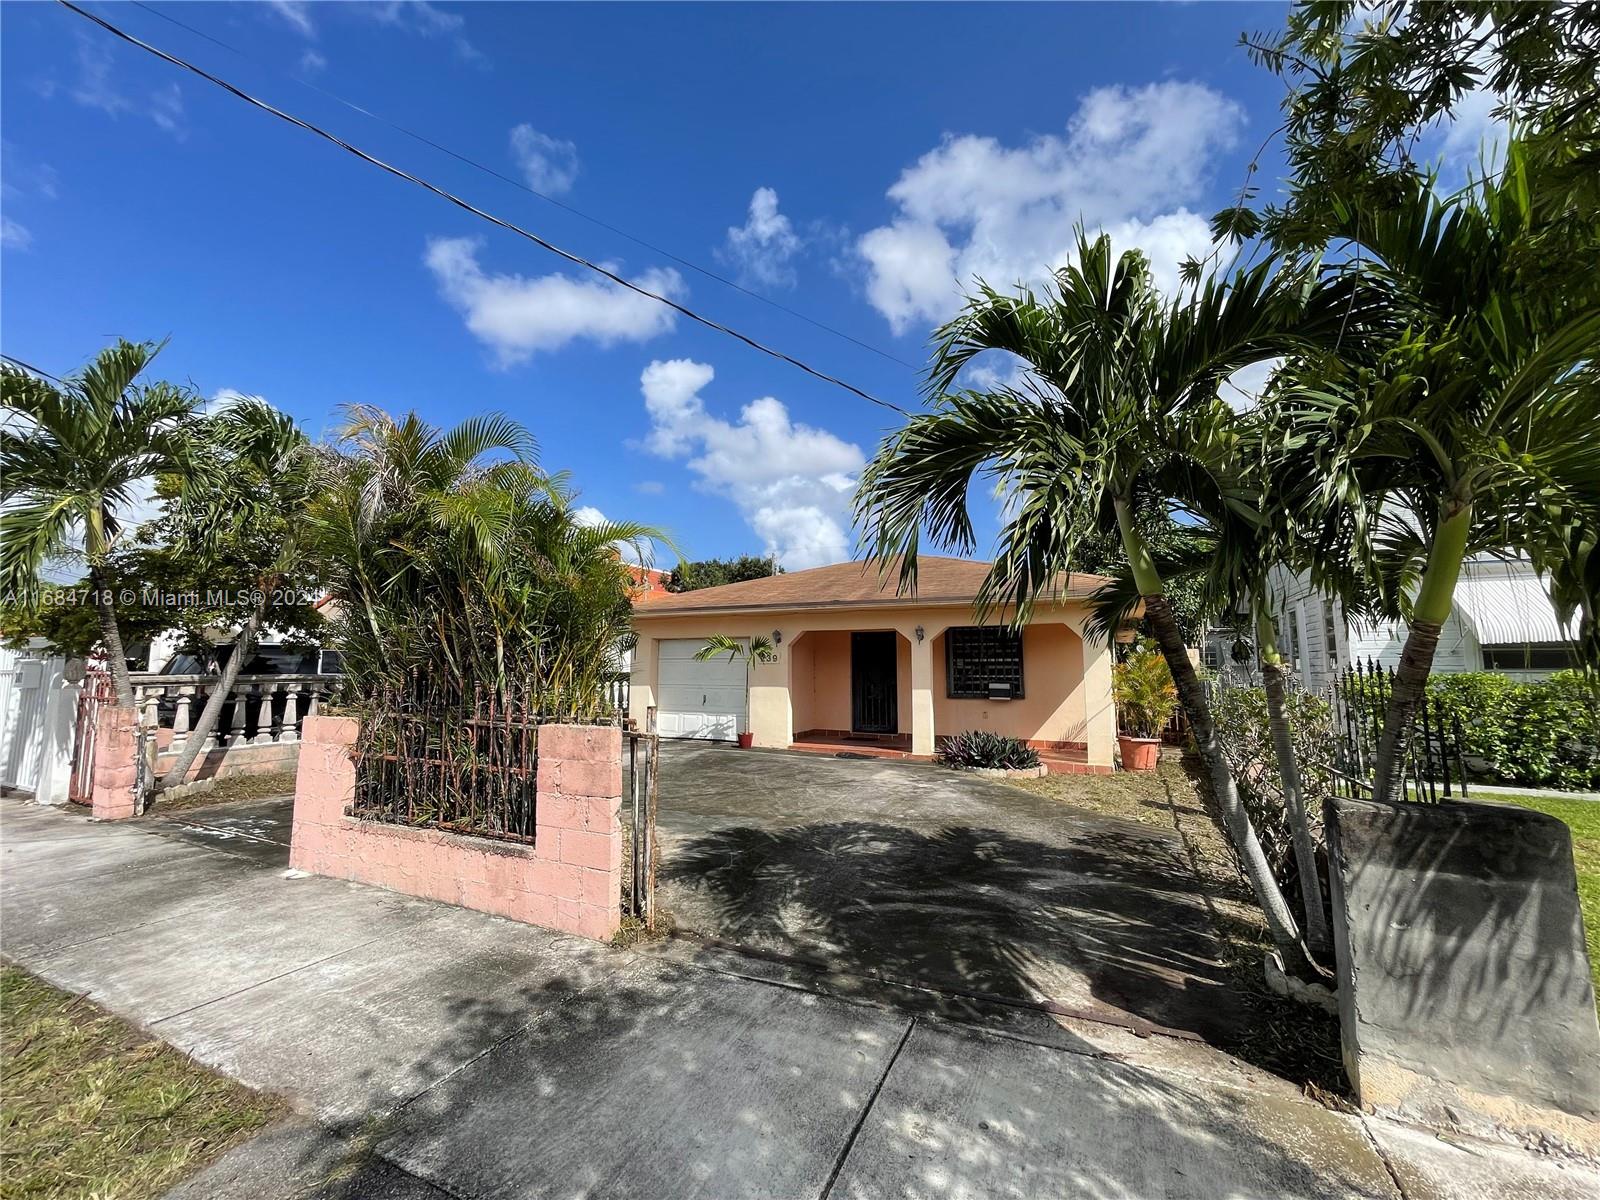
[874, 696]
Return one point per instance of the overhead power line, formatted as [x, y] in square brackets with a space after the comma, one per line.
[33, 370]
[532, 191]
[399, 173]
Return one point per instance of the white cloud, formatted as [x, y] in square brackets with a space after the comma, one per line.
[791, 482]
[518, 317]
[1243, 388]
[297, 13]
[95, 88]
[549, 164]
[1129, 162]
[589, 516]
[763, 246]
[1473, 139]
[312, 61]
[421, 18]
[14, 235]
[650, 487]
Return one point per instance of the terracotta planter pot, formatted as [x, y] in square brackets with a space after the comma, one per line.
[1139, 754]
[746, 740]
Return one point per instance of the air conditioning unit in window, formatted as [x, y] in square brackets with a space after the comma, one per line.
[1000, 691]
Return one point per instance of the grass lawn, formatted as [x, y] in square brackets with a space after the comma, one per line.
[1583, 818]
[92, 1109]
[1281, 1035]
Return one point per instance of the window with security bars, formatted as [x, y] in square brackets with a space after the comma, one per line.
[977, 658]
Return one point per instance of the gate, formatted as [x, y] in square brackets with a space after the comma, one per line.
[644, 776]
[95, 696]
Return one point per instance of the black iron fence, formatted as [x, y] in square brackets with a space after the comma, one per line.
[1432, 766]
[429, 755]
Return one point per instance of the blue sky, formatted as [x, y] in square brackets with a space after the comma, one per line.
[855, 163]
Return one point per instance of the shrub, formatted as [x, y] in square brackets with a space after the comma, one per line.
[1145, 695]
[1241, 719]
[1542, 733]
[978, 748]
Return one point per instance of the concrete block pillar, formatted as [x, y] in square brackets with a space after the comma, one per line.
[1465, 998]
[115, 794]
[922, 731]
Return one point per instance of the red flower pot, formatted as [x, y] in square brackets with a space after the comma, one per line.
[1139, 754]
[746, 740]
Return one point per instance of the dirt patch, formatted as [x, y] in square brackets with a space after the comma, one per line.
[230, 790]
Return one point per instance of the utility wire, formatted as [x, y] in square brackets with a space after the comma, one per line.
[29, 367]
[517, 183]
[577, 260]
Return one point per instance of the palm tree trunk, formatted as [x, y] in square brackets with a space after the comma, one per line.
[1429, 611]
[1273, 678]
[212, 712]
[106, 609]
[1236, 821]
[1192, 694]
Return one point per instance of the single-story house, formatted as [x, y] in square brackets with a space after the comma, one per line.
[858, 663]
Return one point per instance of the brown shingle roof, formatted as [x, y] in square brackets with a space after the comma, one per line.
[939, 581]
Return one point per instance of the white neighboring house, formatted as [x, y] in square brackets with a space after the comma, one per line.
[1502, 620]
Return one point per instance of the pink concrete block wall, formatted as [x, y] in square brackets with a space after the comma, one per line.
[116, 765]
[570, 879]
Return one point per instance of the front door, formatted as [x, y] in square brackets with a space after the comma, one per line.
[874, 695]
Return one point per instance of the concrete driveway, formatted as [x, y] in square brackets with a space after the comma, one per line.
[919, 876]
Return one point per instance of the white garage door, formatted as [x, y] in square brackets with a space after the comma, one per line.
[699, 699]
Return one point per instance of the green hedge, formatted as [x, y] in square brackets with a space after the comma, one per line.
[1540, 734]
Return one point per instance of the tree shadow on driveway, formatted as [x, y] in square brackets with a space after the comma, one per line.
[1107, 919]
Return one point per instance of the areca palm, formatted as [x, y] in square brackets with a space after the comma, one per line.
[72, 459]
[453, 556]
[1122, 402]
[1476, 428]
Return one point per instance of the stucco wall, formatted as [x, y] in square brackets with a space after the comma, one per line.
[1052, 704]
[569, 879]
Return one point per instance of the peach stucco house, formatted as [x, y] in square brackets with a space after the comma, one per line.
[858, 663]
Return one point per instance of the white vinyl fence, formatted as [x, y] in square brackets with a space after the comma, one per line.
[37, 710]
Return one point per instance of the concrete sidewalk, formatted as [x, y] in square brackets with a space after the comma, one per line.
[435, 1052]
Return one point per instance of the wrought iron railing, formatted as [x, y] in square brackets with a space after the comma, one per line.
[1432, 766]
[429, 756]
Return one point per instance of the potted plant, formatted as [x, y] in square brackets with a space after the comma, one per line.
[759, 649]
[1146, 700]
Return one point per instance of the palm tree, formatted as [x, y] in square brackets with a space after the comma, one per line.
[1476, 427]
[1122, 403]
[246, 484]
[72, 458]
[452, 556]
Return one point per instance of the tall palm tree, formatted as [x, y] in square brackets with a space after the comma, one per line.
[246, 483]
[72, 459]
[1121, 402]
[1475, 427]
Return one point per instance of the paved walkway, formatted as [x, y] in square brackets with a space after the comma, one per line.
[439, 1053]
